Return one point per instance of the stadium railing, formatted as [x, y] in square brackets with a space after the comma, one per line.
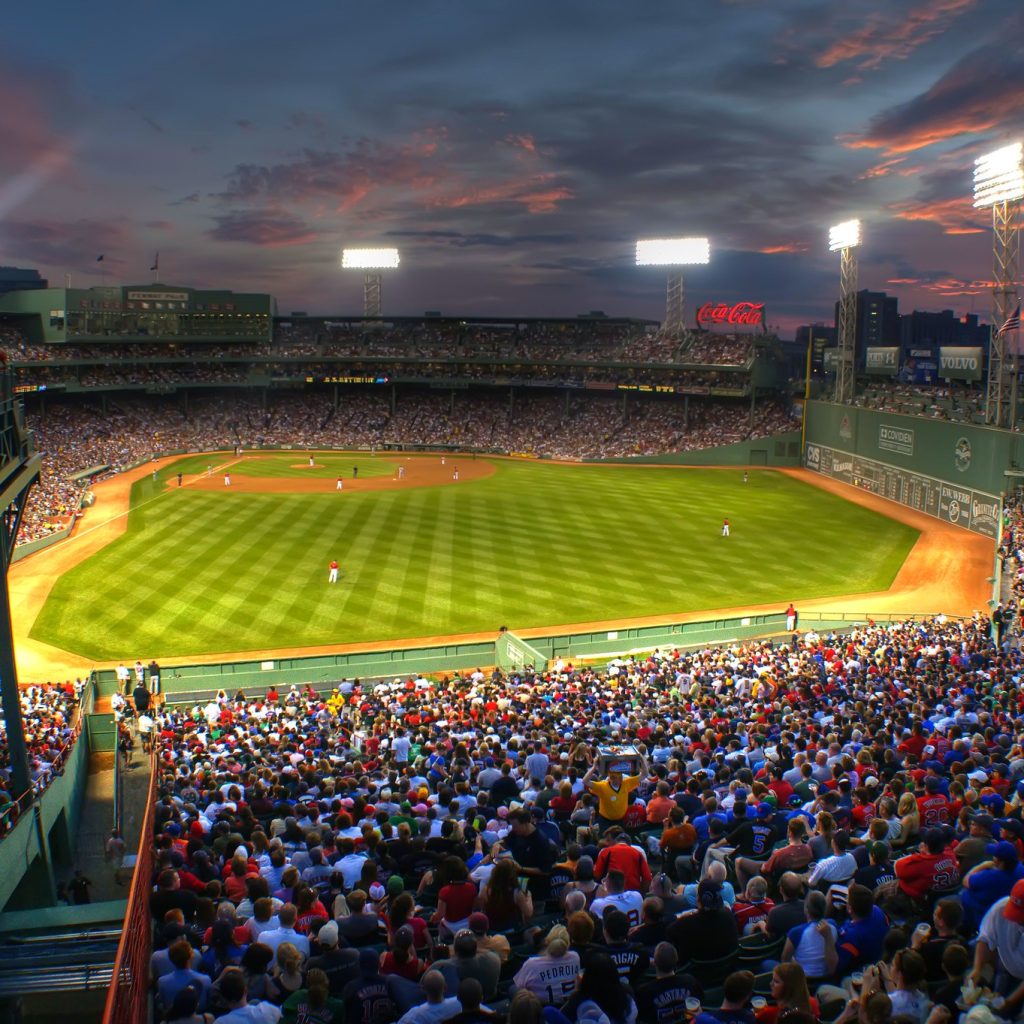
[12, 811]
[128, 997]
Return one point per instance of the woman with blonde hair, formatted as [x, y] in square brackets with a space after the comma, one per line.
[286, 977]
[551, 975]
[910, 820]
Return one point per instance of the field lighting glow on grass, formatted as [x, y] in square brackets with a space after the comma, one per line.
[672, 252]
[213, 571]
[844, 236]
[999, 176]
[369, 259]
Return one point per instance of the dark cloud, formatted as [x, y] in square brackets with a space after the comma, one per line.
[71, 245]
[271, 229]
[983, 91]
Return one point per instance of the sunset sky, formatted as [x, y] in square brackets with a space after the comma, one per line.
[511, 150]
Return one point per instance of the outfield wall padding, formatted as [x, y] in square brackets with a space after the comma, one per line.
[955, 472]
[507, 650]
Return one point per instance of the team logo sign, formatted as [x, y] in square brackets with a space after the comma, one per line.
[962, 454]
[954, 511]
[844, 428]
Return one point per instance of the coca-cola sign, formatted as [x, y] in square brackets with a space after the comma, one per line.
[739, 314]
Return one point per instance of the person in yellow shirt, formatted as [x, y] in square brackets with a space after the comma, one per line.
[613, 794]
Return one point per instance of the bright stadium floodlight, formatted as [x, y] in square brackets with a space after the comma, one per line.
[673, 252]
[999, 176]
[369, 259]
[844, 236]
[373, 261]
[999, 184]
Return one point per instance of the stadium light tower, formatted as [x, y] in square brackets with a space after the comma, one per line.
[372, 262]
[844, 239]
[673, 252]
[999, 183]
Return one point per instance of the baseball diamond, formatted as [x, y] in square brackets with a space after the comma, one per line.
[202, 570]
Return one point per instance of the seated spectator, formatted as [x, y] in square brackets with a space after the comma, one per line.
[813, 945]
[551, 975]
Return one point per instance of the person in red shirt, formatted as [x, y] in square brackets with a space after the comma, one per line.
[933, 807]
[933, 867]
[620, 856]
[754, 906]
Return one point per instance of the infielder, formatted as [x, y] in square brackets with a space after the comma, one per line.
[311, 463]
[340, 486]
[332, 576]
[227, 479]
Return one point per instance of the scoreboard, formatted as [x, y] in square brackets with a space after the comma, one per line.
[973, 510]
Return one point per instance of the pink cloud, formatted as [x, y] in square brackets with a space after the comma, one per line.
[893, 36]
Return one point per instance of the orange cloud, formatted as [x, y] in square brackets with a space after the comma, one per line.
[524, 142]
[981, 92]
[538, 193]
[881, 170]
[895, 36]
[771, 250]
[954, 216]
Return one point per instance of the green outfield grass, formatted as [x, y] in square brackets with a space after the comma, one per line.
[532, 545]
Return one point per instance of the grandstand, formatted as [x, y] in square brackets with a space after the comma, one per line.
[452, 813]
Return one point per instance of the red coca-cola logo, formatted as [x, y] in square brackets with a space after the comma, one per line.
[723, 313]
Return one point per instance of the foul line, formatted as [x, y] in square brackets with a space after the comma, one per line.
[142, 504]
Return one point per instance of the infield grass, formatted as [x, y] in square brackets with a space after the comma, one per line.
[202, 572]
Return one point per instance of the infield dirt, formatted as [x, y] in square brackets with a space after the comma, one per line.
[947, 570]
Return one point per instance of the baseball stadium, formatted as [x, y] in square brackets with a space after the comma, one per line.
[508, 504]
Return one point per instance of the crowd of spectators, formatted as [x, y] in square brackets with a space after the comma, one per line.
[49, 720]
[75, 435]
[826, 827]
[960, 403]
[537, 342]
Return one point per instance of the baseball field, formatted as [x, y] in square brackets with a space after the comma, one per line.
[462, 546]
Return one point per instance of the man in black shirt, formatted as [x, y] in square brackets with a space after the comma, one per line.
[368, 998]
[630, 958]
[340, 965]
[505, 789]
[709, 932]
[789, 912]
[534, 854]
[141, 698]
[651, 929]
[879, 869]
[170, 895]
[663, 1001]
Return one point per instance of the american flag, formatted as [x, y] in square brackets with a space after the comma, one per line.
[1012, 323]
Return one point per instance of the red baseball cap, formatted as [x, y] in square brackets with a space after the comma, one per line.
[1014, 909]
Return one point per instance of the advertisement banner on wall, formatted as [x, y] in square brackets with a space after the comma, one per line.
[970, 509]
[960, 363]
[882, 362]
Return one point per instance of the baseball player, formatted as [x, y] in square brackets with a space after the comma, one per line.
[355, 472]
[455, 472]
[340, 486]
[725, 527]
[401, 472]
[745, 476]
[332, 576]
[311, 462]
[227, 479]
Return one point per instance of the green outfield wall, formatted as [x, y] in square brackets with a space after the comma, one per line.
[953, 471]
[507, 650]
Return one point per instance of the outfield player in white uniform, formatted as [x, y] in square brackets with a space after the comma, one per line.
[725, 527]
[332, 576]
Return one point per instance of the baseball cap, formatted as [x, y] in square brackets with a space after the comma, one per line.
[1014, 909]
[368, 960]
[1005, 851]
[328, 934]
[984, 820]
[1013, 826]
[479, 923]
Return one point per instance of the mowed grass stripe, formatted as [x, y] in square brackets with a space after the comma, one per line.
[530, 545]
